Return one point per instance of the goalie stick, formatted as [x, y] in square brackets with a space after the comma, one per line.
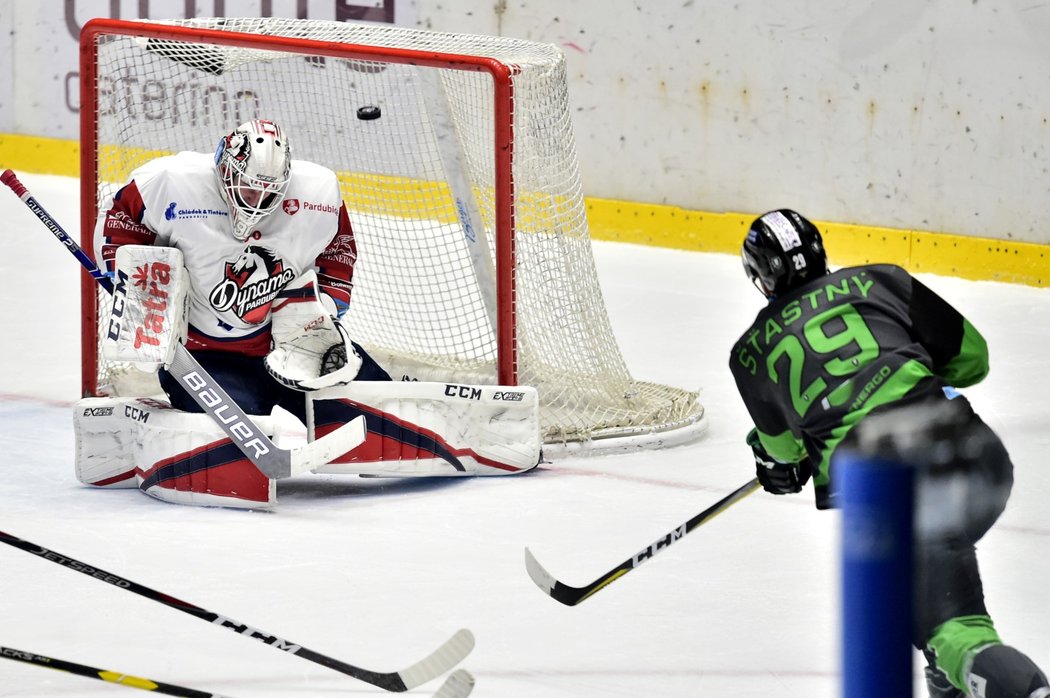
[117, 677]
[272, 461]
[570, 595]
[435, 664]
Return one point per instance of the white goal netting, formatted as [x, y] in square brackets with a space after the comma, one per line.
[475, 262]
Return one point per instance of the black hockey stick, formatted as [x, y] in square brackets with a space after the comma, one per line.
[91, 672]
[459, 684]
[272, 461]
[570, 595]
[437, 663]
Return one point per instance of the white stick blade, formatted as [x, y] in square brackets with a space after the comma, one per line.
[329, 447]
[543, 579]
[443, 659]
[459, 684]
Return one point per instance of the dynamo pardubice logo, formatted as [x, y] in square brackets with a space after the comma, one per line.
[250, 284]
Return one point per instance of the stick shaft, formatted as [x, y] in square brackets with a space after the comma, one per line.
[91, 672]
[9, 179]
[389, 681]
[570, 595]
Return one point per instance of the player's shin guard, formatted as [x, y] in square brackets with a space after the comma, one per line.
[171, 455]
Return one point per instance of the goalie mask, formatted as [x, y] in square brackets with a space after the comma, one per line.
[253, 165]
[783, 250]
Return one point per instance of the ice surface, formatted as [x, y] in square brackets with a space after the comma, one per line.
[377, 573]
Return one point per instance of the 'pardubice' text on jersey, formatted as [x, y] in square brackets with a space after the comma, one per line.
[175, 201]
[820, 357]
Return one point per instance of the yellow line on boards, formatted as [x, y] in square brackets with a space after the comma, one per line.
[678, 228]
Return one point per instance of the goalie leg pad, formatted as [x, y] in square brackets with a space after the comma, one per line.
[432, 429]
[105, 431]
[190, 460]
[171, 455]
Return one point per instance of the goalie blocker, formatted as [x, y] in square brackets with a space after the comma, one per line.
[148, 316]
[415, 429]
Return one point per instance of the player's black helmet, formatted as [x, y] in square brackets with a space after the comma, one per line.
[783, 250]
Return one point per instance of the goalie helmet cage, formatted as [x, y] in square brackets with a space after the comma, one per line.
[457, 164]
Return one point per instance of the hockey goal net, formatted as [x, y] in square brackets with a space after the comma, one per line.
[474, 257]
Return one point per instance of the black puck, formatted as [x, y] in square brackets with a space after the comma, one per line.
[368, 113]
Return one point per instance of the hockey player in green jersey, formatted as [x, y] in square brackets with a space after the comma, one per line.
[872, 343]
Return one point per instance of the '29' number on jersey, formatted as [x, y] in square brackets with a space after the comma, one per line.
[825, 338]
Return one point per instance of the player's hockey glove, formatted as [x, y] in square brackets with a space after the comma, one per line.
[777, 477]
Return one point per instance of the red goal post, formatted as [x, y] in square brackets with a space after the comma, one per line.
[474, 255]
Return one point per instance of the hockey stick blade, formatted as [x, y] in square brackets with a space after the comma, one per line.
[459, 684]
[117, 677]
[570, 595]
[455, 650]
[441, 660]
[273, 462]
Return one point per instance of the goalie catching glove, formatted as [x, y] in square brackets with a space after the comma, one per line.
[311, 348]
[777, 477]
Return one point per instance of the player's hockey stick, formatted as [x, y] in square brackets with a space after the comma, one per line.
[272, 461]
[459, 684]
[437, 663]
[570, 595]
[91, 672]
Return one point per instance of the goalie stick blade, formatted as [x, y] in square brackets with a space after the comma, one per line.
[459, 684]
[329, 447]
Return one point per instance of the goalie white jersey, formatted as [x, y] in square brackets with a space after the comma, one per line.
[175, 201]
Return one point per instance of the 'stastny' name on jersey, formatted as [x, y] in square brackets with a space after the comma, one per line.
[758, 339]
